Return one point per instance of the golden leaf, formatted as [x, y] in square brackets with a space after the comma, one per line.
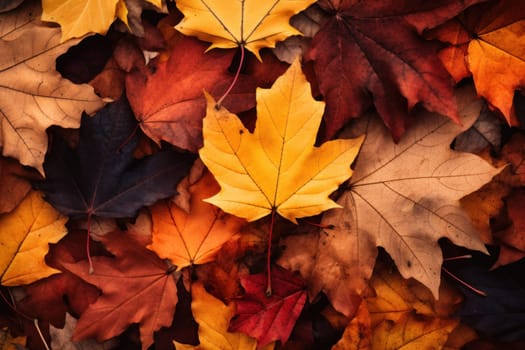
[26, 232]
[80, 17]
[277, 167]
[253, 24]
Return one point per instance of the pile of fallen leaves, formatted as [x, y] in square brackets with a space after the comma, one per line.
[277, 174]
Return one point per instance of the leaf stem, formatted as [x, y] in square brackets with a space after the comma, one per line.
[35, 322]
[88, 250]
[463, 283]
[268, 257]
[235, 78]
[12, 306]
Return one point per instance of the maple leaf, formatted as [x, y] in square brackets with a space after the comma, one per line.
[251, 24]
[27, 230]
[192, 238]
[402, 197]
[269, 318]
[102, 178]
[167, 96]
[33, 95]
[137, 287]
[405, 197]
[277, 167]
[483, 42]
[213, 317]
[358, 62]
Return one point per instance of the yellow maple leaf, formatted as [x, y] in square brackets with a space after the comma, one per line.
[80, 17]
[253, 24]
[27, 231]
[277, 167]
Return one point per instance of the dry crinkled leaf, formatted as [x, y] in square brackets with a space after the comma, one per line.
[412, 331]
[26, 232]
[250, 23]
[194, 238]
[33, 95]
[213, 317]
[277, 167]
[405, 196]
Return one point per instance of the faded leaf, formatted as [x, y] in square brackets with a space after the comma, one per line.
[33, 95]
[412, 331]
[192, 238]
[26, 233]
[228, 24]
[405, 196]
[213, 317]
[269, 318]
[358, 62]
[277, 167]
[137, 287]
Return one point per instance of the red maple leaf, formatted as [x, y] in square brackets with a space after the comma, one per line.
[269, 318]
[167, 97]
[137, 287]
[372, 52]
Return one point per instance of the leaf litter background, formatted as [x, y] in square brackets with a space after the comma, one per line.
[111, 147]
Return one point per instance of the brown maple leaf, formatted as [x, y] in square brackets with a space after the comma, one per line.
[137, 287]
[372, 52]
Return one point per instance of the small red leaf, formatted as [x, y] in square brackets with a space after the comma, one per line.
[269, 318]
